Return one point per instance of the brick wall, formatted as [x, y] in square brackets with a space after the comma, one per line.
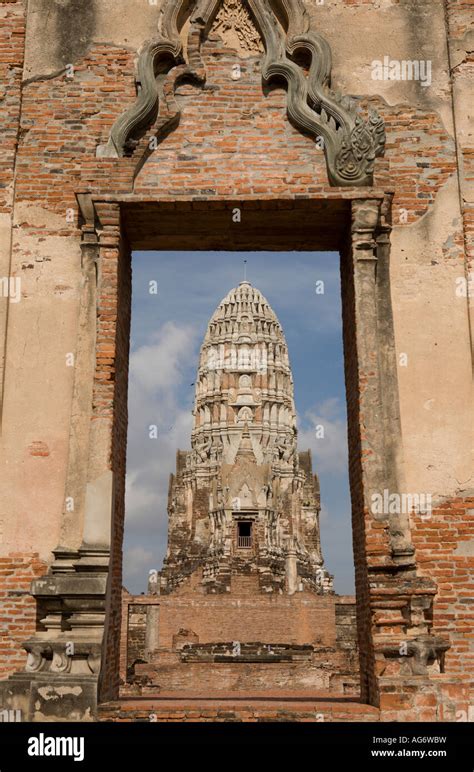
[274, 708]
[12, 49]
[136, 634]
[133, 629]
[445, 552]
[237, 128]
[216, 678]
[281, 619]
[17, 569]
[18, 608]
[326, 623]
[233, 140]
[346, 619]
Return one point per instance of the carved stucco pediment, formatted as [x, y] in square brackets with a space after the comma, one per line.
[351, 142]
[234, 23]
[245, 482]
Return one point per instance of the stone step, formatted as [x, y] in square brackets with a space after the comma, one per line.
[268, 706]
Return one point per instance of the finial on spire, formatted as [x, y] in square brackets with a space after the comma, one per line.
[244, 280]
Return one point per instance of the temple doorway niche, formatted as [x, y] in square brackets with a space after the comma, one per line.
[236, 390]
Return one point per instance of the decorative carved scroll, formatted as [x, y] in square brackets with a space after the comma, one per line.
[351, 142]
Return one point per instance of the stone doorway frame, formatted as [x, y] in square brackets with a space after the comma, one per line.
[80, 599]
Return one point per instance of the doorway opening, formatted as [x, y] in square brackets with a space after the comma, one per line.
[173, 296]
[244, 534]
[237, 401]
[312, 226]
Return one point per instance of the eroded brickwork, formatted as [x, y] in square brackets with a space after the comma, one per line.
[288, 643]
[445, 552]
[242, 143]
[18, 608]
[267, 708]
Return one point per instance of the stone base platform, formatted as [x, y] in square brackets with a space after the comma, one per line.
[259, 706]
[286, 668]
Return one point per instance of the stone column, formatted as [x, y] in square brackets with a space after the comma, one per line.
[61, 675]
[152, 636]
[393, 604]
[381, 442]
[76, 655]
[291, 568]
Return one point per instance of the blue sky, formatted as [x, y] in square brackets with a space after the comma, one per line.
[167, 330]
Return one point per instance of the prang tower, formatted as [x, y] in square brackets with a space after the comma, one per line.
[244, 500]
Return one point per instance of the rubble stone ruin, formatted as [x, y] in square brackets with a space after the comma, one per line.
[276, 125]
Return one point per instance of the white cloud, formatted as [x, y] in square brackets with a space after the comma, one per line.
[136, 561]
[329, 451]
[158, 365]
[158, 371]
[151, 464]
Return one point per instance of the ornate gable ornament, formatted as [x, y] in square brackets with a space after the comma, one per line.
[351, 141]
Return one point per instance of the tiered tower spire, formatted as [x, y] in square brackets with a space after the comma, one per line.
[243, 499]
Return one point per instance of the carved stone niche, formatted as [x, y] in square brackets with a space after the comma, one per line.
[351, 141]
[415, 650]
[420, 656]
